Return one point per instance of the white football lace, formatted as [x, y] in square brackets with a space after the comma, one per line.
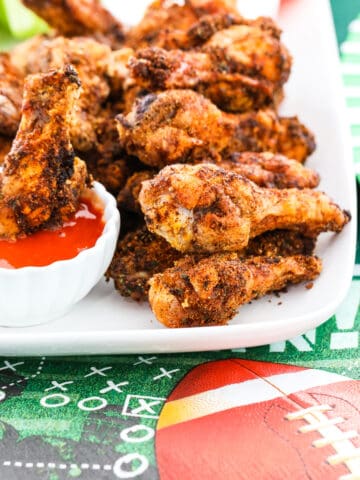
[346, 452]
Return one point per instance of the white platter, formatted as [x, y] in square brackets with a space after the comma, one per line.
[105, 323]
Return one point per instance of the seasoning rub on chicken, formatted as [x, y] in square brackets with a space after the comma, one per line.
[206, 208]
[209, 292]
[184, 126]
[42, 178]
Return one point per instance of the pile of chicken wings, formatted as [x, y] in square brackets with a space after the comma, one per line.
[178, 117]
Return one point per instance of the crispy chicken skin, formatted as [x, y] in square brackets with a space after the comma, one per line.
[265, 169]
[42, 179]
[202, 7]
[183, 126]
[79, 17]
[164, 24]
[170, 25]
[11, 86]
[91, 60]
[141, 254]
[271, 170]
[239, 69]
[209, 291]
[206, 208]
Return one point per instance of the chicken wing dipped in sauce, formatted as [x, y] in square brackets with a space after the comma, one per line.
[11, 87]
[79, 18]
[42, 178]
[206, 208]
[184, 126]
[209, 292]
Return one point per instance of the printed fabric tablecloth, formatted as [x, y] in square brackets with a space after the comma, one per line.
[286, 410]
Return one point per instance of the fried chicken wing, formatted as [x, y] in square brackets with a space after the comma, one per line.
[206, 208]
[91, 59]
[240, 68]
[11, 86]
[183, 126]
[168, 24]
[42, 179]
[265, 169]
[209, 291]
[79, 17]
[141, 254]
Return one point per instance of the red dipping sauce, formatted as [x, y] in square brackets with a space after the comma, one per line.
[48, 246]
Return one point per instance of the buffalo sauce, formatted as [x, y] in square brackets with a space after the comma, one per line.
[48, 246]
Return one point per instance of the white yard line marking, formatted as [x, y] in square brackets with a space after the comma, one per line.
[38, 371]
[57, 466]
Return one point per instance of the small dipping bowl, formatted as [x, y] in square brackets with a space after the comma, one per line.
[35, 295]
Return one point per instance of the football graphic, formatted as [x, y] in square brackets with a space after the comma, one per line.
[241, 419]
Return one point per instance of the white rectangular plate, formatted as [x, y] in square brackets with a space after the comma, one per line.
[106, 323]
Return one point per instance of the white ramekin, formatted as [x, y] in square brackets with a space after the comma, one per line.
[34, 295]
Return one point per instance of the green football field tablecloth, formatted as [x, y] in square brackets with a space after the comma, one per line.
[286, 410]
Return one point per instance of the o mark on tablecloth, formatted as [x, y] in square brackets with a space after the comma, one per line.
[64, 400]
[127, 434]
[129, 458]
[82, 406]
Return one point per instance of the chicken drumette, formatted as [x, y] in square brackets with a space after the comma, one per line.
[206, 208]
[183, 126]
[209, 291]
[79, 17]
[42, 179]
[265, 169]
[241, 68]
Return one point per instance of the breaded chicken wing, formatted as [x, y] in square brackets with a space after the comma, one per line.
[141, 254]
[241, 68]
[42, 179]
[79, 17]
[91, 61]
[209, 291]
[168, 24]
[11, 86]
[183, 126]
[206, 208]
[265, 169]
